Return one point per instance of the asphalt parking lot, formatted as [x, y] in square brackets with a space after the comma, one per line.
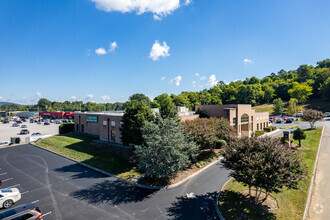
[7, 130]
[63, 189]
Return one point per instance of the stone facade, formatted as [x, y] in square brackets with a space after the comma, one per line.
[241, 116]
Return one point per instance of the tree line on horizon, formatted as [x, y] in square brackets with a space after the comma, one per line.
[305, 83]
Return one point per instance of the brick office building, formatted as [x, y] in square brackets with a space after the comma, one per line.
[106, 125]
[241, 116]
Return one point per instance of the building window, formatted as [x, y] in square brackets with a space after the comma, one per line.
[113, 135]
[244, 119]
[260, 126]
[77, 127]
[267, 124]
[82, 128]
[264, 124]
[234, 121]
[121, 124]
[257, 127]
[251, 118]
[113, 123]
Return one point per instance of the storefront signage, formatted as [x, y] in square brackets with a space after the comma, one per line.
[92, 118]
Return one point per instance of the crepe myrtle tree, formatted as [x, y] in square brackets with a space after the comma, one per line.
[312, 116]
[166, 150]
[265, 164]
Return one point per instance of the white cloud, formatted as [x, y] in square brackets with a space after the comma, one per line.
[158, 51]
[74, 98]
[100, 51]
[163, 78]
[2, 98]
[159, 8]
[194, 83]
[105, 97]
[89, 97]
[247, 61]
[122, 97]
[196, 74]
[113, 47]
[202, 78]
[176, 80]
[212, 81]
[39, 94]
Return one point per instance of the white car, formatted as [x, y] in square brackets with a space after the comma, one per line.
[326, 114]
[4, 143]
[8, 197]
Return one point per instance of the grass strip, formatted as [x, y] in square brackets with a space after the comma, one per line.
[77, 147]
[291, 202]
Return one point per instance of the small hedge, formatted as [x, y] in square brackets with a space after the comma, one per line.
[66, 128]
[259, 133]
[269, 129]
[221, 143]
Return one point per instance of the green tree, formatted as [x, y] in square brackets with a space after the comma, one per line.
[44, 103]
[301, 92]
[167, 107]
[278, 106]
[292, 107]
[265, 164]
[299, 134]
[325, 90]
[140, 97]
[137, 113]
[215, 95]
[324, 63]
[305, 73]
[166, 150]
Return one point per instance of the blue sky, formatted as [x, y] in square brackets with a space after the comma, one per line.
[48, 48]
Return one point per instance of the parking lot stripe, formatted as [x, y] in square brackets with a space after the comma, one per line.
[35, 201]
[46, 214]
[2, 174]
[24, 192]
[7, 179]
[13, 186]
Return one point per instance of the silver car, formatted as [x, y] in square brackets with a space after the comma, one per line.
[8, 197]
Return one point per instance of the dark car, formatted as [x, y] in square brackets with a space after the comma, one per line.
[272, 118]
[27, 211]
[5, 121]
[15, 125]
[25, 131]
[289, 120]
[46, 123]
[279, 120]
[20, 122]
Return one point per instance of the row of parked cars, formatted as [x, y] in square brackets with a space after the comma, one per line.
[283, 118]
[8, 197]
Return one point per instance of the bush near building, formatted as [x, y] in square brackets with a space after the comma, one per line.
[206, 132]
[312, 116]
[66, 128]
[269, 129]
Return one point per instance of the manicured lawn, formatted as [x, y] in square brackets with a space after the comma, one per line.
[291, 202]
[288, 127]
[76, 147]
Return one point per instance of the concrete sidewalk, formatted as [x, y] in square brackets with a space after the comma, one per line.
[319, 207]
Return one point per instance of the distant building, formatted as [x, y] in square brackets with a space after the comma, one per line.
[57, 115]
[241, 116]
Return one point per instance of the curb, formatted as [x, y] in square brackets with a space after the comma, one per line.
[271, 133]
[312, 179]
[217, 201]
[134, 184]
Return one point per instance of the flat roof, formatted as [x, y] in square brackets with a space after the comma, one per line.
[101, 113]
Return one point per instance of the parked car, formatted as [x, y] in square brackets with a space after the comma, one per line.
[284, 118]
[4, 143]
[8, 197]
[52, 121]
[28, 211]
[272, 118]
[24, 126]
[279, 120]
[36, 134]
[25, 131]
[15, 125]
[0, 182]
[289, 120]
[299, 114]
[39, 122]
[5, 121]
[326, 114]
[20, 122]
[46, 123]
[57, 121]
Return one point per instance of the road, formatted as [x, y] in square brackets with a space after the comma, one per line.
[303, 125]
[71, 191]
